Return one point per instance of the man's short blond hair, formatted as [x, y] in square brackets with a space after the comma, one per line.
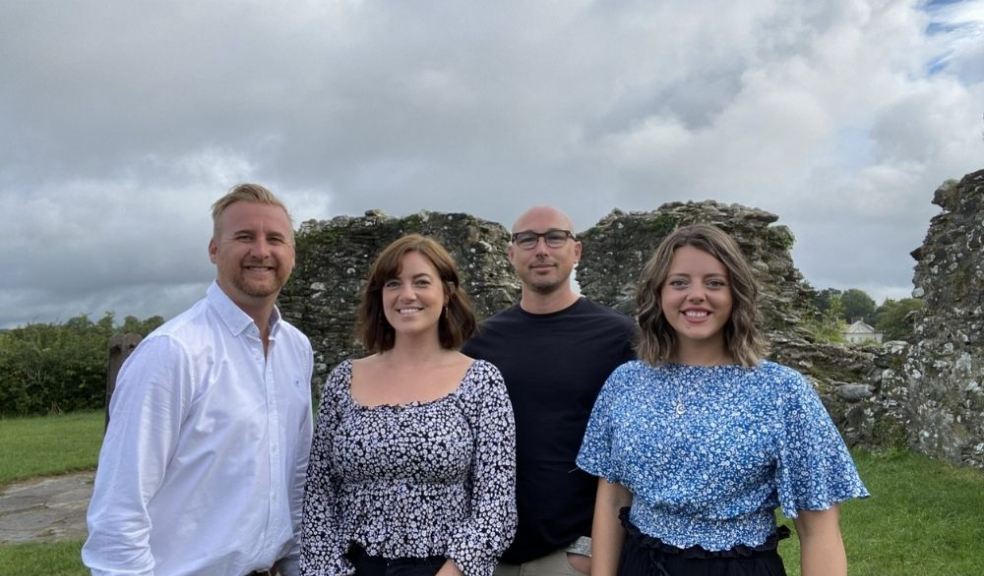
[247, 192]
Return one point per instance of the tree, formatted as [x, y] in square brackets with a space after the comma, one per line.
[132, 324]
[894, 318]
[826, 324]
[47, 368]
[824, 297]
[857, 306]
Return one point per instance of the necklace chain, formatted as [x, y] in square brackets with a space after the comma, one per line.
[684, 395]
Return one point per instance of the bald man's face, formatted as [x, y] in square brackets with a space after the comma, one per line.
[541, 268]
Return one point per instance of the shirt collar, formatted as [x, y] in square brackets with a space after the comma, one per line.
[233, 316]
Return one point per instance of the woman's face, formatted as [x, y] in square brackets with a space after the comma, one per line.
[696, 297]
[414, 299]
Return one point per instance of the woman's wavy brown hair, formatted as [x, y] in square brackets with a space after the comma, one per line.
[657, 341]
[457, 322]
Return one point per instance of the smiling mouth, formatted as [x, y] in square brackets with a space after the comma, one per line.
[408, 311]
[696, 314]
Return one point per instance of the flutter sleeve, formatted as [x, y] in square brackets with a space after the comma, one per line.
[323, 548]
[815, 469]
[479, 539]
[595, 456]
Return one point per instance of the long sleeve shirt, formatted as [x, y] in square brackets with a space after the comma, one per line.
[202, 467]
[412, 481]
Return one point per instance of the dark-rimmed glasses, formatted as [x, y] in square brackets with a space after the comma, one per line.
[553, 238]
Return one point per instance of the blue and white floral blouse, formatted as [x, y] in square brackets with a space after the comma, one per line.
[709, 452]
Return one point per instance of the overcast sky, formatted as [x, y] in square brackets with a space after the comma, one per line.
[121, 121]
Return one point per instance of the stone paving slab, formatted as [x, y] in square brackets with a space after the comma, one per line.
[45, 509]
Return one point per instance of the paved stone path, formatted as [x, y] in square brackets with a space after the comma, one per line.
[45, 509]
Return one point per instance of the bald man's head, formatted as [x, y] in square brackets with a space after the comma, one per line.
[544, 269]
[541, 214]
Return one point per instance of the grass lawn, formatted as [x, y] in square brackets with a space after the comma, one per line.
[924, 518]
[60, 559]
[49, 445]
[46, 446]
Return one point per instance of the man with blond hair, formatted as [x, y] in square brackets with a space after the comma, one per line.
[555, 349]
[202, 468]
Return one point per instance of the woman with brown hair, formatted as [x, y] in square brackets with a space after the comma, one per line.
[699, 441]
[413, 463]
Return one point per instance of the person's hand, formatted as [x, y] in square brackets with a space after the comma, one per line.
[579, 562]
[449, 569]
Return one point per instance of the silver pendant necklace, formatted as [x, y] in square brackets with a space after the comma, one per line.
[678, 407]
[681, 392]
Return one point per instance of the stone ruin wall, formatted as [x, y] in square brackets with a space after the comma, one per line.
[944, 372]
[926, 396]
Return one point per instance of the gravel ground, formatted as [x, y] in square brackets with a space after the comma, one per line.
[45, 509]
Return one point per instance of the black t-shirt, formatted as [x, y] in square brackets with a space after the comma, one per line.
[554, 366]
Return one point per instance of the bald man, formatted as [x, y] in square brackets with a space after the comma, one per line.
[555, 349]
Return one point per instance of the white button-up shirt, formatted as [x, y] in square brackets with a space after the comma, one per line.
[202, 468]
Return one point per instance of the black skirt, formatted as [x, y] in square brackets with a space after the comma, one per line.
[366, 565]
[647, 556]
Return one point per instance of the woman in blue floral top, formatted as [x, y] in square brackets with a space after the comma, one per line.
[701, 439]
[413, 464]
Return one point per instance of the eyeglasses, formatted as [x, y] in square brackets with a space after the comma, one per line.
[553, 238]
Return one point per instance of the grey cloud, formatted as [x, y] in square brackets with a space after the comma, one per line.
[125, 120]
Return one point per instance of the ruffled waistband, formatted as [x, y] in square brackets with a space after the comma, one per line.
[740, 551]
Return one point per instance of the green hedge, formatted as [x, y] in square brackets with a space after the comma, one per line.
[54, 368]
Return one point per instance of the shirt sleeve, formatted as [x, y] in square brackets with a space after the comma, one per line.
[290, 565]
[484, 535]
[322, 548]
[595, 456]
[151, 399]
[815, 469]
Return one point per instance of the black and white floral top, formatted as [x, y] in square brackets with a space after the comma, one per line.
[411, 481]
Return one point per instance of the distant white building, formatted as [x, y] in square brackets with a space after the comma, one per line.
[861, 332]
